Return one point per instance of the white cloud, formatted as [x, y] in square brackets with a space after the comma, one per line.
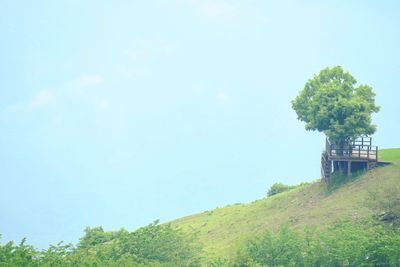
[90, 80]
[214, 8]
[42, 98]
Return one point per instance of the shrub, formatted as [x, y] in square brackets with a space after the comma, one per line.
[277, 188]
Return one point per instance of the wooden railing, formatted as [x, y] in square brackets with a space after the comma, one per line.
[362, 141]
[356, 150]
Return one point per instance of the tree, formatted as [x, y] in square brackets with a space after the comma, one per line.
[332, 103]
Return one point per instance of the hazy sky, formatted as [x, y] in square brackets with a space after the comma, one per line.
[117, 113]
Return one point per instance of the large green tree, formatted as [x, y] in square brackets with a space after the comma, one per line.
[332, 102]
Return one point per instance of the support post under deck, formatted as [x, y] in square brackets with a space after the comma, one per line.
[349, 168]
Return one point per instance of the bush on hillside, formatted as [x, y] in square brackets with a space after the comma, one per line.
[344, 244]
[277, 188]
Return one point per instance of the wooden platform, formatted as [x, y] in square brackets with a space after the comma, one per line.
[355, 155]
[358, 154]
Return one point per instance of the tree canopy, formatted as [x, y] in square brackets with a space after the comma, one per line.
[332, 103]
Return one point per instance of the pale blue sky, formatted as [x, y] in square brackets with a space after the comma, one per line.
[117, 113]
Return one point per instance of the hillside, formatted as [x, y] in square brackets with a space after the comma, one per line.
[219, 230]
[364, 211]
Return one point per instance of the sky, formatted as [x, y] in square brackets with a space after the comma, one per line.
[118, 113]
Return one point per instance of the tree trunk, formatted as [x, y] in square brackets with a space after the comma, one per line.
[342, 148]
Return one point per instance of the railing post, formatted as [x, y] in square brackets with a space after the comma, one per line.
[326, 145]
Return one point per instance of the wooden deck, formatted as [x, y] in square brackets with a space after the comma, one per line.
[358, 153]
[355, 155]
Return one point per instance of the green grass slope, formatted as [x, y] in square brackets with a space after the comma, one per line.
[221, 229]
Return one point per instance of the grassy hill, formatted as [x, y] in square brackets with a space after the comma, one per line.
[221, 229]
[224, 231]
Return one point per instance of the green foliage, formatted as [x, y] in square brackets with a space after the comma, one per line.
[277, 188]
[281, 249]
[219, 262]
[345, 244]
[157, 243]
[55, 255]
[17, 255]
[153, 245]
[94, 236]
[332, 103]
